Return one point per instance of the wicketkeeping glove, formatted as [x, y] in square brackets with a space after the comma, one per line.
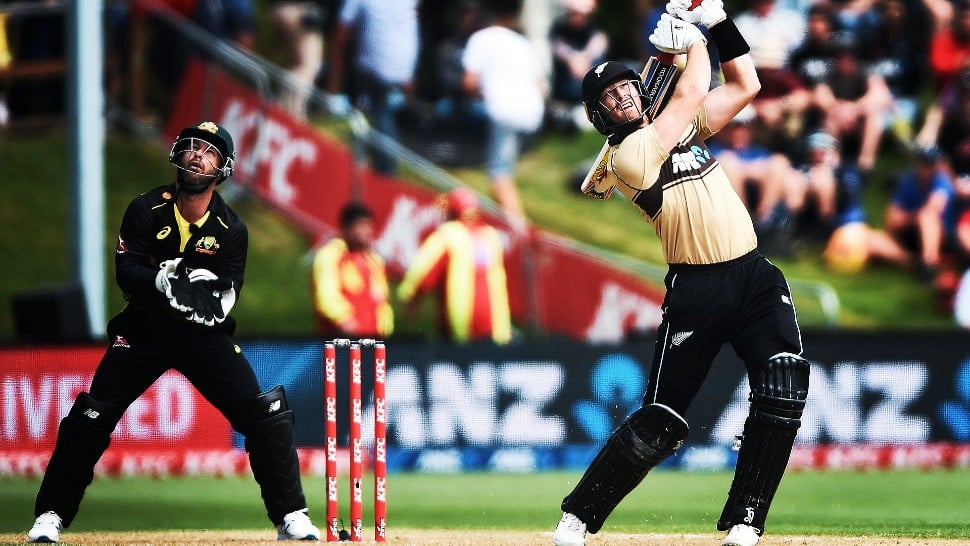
[673, 35]
[163, 279]
[708, 13]
[200, 294]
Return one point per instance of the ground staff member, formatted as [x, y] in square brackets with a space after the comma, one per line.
[462, 262]
[180, 261]
[351, 297]
[719, 287]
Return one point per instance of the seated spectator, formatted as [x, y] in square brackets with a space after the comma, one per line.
[813, 59]
[768, 25]
[950, 43]
[894, 45]
[825, 175]
[920, 211]
[834, 189]
[577, 45]
[854, 103]
[763, 178]
[774, 32]
[949, 58]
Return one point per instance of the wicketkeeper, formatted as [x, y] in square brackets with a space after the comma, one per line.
[180, 262]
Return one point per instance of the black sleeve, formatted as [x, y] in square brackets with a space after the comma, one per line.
[135, 269]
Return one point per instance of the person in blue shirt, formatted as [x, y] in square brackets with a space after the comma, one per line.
[921, 214]
[765, 178]
[836, 187]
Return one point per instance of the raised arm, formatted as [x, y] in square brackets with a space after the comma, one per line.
[741, 85]
[676, 36]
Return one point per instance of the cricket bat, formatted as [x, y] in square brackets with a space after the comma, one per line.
[657, 75]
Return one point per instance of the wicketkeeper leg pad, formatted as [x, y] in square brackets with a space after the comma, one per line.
[83, 436]
[641, 442]
[777, 401]
[272, 454]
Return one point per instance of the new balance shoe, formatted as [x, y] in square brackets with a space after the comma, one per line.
[297, 526]
[47, 528]
[741, 535]
[571, 531]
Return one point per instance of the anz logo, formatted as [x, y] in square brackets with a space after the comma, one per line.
[692, 160]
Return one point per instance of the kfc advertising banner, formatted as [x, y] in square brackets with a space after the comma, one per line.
[876, 401]
[309, 176]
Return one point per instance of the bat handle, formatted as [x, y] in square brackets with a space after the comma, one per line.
[665, 58]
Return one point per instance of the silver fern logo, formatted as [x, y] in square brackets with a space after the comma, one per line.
[679, 338]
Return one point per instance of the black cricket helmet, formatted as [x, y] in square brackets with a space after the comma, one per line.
[212, 134]
[601, 77]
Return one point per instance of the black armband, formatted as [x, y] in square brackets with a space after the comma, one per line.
[728, 40]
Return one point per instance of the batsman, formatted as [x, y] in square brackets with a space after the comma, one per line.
[719, 288]
[180, 262]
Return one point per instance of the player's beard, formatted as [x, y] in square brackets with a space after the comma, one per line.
[192, 180]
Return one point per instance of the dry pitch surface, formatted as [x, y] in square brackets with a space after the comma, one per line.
[467, 537]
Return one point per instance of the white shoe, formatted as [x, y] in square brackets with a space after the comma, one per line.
[297, 526]
[47, 528]
[570, 531]
[741, 535]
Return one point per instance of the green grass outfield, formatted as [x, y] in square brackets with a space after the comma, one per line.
[932, 504]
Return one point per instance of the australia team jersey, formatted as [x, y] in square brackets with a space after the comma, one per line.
[695, 211]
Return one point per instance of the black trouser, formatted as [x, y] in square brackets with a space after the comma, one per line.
[140, 352]
[745, 302]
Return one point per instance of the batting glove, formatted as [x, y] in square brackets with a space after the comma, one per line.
[674, 35]
[708, 13]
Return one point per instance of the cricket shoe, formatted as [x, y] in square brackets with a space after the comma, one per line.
[47, 528]
[741, 535]
[297, 526]
[571, 531]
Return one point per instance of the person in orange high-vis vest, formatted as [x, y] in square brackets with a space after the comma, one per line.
[462, 262]
[351, 297]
